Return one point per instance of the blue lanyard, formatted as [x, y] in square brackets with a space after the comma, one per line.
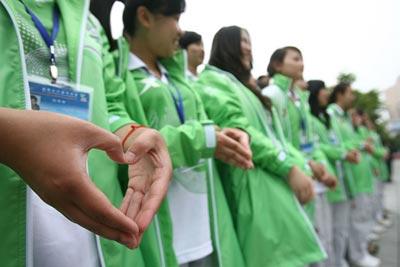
[178, 101]
[49, 40]
[297, 103]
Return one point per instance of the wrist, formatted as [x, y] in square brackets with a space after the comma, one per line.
[130, 134]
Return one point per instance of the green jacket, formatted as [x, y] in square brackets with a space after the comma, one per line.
[358, 177]
[90, 64]
[272, 228]
[379, 154]
[187, 144]
[335, 152]
[376, 161]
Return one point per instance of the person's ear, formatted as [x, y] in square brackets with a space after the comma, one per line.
[278, 66]
[144, 17]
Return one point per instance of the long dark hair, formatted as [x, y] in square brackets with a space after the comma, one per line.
[315, 87]
[226, 54]
[278, 57]
[163, 7]
[340, 88]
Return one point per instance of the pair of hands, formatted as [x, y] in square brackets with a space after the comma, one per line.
[233, 147]
[151, 169]
[322, 174]
[303, 186]
[369, 147]
[353, 156]
[49, 151]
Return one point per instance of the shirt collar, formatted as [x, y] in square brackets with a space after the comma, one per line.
[191, 76]
[134, 63]
[338, 109]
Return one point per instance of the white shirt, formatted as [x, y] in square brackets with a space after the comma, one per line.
[59, 242]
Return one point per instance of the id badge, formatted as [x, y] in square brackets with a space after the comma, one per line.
[61, 98]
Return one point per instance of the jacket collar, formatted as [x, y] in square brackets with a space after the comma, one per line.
[282, 81]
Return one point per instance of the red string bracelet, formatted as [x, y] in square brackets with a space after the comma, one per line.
[134, 127]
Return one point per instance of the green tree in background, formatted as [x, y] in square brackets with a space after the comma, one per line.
[369, 102]
[347, 77]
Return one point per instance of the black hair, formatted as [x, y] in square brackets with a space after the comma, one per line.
[163, 7]
[278, 57]
[101, 9]
[360, 112]
[226, 54]
[33, 97]
[315, 87]
[189, 38]
[262, 83]
[340, 88]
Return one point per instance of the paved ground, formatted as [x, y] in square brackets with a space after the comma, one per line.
[390, 242]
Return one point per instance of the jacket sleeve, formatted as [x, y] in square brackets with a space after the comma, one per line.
[115, 89]
[332, 152]
[223, 107]
[190, 142]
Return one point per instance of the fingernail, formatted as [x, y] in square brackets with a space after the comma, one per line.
[130, 157]
[128, 240]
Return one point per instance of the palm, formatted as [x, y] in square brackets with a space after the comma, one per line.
[148, 183]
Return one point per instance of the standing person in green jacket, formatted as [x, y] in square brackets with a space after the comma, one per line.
[371, 155]
[202, 231]
[192, 43]
[286, 69]
[71, 72]
[380, 155]
[337, 154]
[272, 228]
[358, 180]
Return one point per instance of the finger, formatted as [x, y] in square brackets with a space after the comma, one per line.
[241, 137]
[127, 199]
[231, 157]
[77, 215]
[306, 194]
[152, 200]
[232, 144]
[312, 192]
[108, 142]
[134, 205]
[303, 196]
[96, 205]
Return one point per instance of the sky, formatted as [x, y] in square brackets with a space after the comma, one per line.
[358, 36]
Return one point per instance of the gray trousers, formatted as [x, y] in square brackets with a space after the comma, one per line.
[323, 226]
[360, 226]
[378, 200]
[341, 225]
[204, 262]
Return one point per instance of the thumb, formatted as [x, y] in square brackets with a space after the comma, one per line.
[108, 142]
[143, 143]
